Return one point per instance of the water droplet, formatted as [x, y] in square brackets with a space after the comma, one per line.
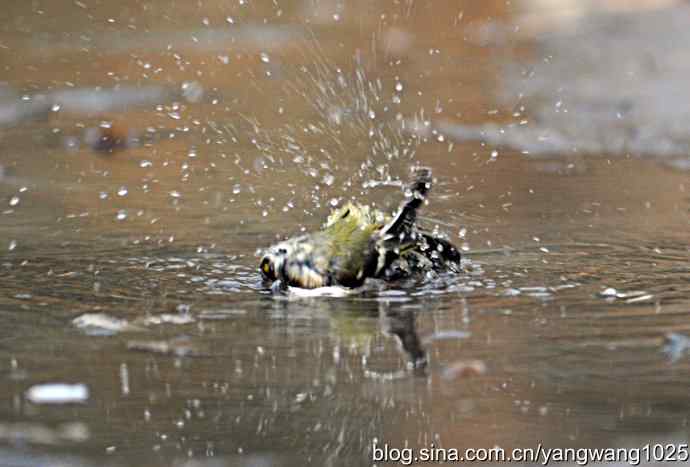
[14, 201]
[122, 191]
[192, 91]
[121, 215]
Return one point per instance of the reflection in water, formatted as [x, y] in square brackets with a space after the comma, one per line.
[401, 323]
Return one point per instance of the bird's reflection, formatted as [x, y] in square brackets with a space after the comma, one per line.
[354, 321]
[402, 324]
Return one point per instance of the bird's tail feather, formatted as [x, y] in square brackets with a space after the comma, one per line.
[419, 188]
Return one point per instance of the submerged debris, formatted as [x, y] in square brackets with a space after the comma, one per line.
[58, 393]
[169, 318]
[633, 296]
[676, 346]
[38, 433]
[178, 347]
[463, 369]
[101, 324]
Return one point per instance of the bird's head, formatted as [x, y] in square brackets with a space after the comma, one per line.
[299, 262]
[273, 262]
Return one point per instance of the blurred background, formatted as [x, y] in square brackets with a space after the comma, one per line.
[150, 149]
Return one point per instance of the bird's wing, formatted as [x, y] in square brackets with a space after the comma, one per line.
[402, 223]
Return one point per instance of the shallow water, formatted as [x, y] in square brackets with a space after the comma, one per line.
[575, 266]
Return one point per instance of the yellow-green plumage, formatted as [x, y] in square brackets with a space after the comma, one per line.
[351, 230]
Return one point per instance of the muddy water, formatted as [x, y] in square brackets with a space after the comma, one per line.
[576, 266]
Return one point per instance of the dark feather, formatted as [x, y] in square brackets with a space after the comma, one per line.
[402, 223]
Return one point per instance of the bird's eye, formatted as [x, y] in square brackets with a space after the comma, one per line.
[266, 268]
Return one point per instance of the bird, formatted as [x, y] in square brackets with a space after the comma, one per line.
[358, 242]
